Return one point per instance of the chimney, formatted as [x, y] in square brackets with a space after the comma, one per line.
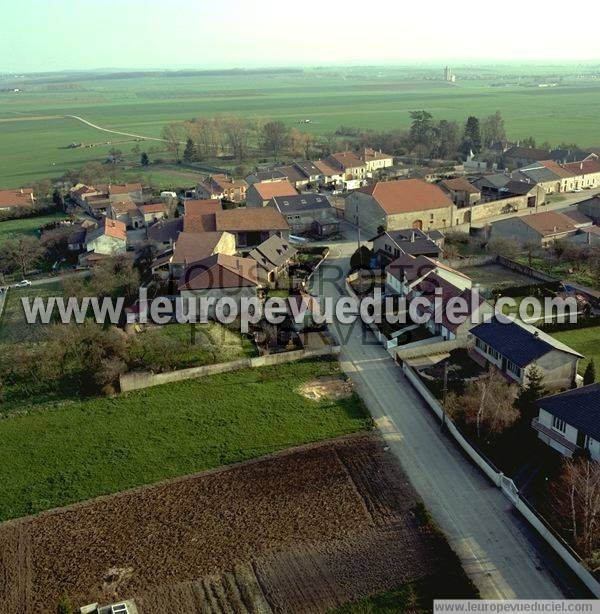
[412, 236]
[556, 229]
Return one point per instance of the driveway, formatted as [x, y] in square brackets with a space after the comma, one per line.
[480, 523]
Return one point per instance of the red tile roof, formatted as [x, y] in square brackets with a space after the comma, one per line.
[124, 188]
[460, 184]
[22, 197]
[194, 246]
[407, 195]
[585, 167]
[152, 208]
[264, 218]
[220, 271]
[274, 188]
[202, 206]
[549, 222]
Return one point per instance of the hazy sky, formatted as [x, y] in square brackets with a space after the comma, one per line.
[40, 35]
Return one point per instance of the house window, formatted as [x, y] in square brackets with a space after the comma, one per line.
[558, 424]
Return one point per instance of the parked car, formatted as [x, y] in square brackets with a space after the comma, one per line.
[23, 284]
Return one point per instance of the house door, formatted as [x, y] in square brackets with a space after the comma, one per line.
[418, 224]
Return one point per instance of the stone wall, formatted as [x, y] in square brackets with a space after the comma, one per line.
[146, 379]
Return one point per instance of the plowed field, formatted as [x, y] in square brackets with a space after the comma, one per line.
[304, 530]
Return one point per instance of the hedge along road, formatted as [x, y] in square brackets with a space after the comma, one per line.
[477, 519]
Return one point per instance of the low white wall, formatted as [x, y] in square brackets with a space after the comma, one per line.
[3, 298]
[145, 379]
[507, 487]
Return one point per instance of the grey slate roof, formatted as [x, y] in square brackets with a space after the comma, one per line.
[164, 231]
[519, 343]
[538, 173]
[300, 203]
[518, 187]
[273, 253]
[579, 408]
[496, 181]
[414, 241]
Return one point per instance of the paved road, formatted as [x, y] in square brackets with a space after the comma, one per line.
[477, 519]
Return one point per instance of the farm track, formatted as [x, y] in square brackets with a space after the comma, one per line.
[303, 530]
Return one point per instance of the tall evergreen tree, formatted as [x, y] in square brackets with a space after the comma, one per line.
[471, 136]
[589, 375]
[144, 159]
[530, 393]
[190, 153]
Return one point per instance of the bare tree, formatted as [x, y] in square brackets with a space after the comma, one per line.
[238, 133]
[22, 253]
[488, 403]
[577, 502]
[276, 137]
[174, 135]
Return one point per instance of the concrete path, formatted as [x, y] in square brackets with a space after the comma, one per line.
[478, 520]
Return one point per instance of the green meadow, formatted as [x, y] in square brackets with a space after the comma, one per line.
[58, 453]
[34, 134]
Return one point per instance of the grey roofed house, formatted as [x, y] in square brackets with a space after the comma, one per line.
[519, 188]
[390, 244]
[579, 408]
[165, 231]
[265, 175]
[274, 253]
[300, 203]
[293, 174]
[591, 208]
[520, 343]
[307, 168]
[494, 181]
[536, 173]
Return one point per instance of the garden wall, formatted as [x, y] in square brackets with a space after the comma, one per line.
[146, 379]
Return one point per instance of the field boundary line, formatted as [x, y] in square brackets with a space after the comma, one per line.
[294, 449]
[110, 130]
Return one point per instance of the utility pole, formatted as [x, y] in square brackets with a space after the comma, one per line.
[444, 394]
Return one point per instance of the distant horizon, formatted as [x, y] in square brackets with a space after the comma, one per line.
[425, 63]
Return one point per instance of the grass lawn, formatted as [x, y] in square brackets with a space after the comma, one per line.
[214, 343]
[59, 453]
[27, 226]
[567, 271]
[586, 341]
[13, 326]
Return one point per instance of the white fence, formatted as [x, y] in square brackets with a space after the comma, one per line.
[507, 486]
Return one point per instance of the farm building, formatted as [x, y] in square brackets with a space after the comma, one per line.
[409, 203]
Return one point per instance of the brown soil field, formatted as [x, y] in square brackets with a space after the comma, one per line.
[304, 530]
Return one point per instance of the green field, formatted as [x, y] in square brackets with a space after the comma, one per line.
[34, 133]
[586, 341]
[26, 226]
[60, 453]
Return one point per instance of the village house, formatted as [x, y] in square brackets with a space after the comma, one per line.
[109, 239]
[272, 257]
[462, 193]
[219, 276]
[541, 229]
[586, 173]
[193, 247]
[374, 160]
[514, 347]
[152, 213]
[301, 174]
[422, 277]
[331, 175]
[541, 174]
[21, 198]
[222, 187]
[164, 233]
[389, 245]
[252, 226]
[117, 191]
[265, 176]
[122, 211]
[353, 170]
[394, 205]
[521, 156]
[591, 208]
[307, 213]
[569, 422]
[260, 194]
